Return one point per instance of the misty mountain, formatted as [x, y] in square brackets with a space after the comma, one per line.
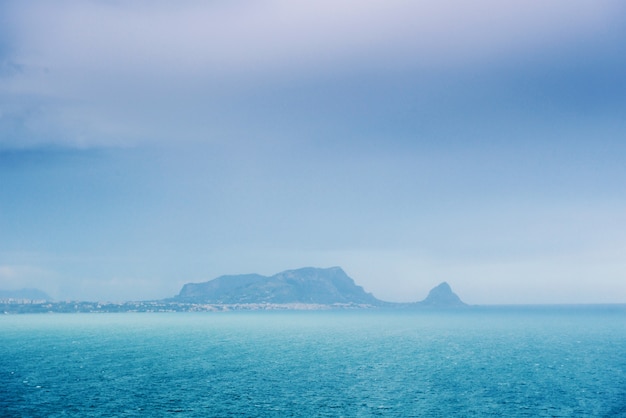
[306, 285]
[442, 296]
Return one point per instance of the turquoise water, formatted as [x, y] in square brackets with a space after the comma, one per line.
[482, 363]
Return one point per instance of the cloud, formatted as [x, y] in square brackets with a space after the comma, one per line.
[93, 73]
[195, 38]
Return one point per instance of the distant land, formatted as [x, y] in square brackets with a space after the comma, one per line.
[307, 285]
[307, 288]
[442, 296]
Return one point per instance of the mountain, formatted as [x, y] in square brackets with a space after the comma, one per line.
[306, 285]
[24, 294]
[442, 296]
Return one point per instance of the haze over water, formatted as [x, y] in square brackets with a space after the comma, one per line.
[523, 362]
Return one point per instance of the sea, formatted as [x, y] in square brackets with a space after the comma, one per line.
[496, 361]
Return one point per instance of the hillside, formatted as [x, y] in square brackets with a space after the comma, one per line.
[442, 296]
[306, 285]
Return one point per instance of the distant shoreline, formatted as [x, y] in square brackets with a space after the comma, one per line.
[38, 307]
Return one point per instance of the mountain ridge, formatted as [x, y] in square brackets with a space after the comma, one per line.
[305, 285]
[308, 288]
[308, 285]
[442, 296]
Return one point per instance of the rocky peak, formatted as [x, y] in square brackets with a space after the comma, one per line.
[442, 296]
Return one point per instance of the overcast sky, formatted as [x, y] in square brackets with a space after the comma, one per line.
[146, 144]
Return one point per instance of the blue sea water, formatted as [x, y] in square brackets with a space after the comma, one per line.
[490, 362]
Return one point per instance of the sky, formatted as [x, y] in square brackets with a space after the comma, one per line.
[148, 144]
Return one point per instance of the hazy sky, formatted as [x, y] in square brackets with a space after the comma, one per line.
[146, 144]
